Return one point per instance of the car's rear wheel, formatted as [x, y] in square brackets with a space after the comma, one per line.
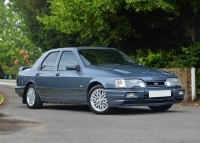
[161, 108]
[32, 97]
[97, 100]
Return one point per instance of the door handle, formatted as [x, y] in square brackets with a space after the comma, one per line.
[57, 74]
[37, 74]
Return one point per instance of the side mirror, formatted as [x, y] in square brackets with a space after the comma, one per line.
[72, 67]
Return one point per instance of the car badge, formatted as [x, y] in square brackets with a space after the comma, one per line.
[155, 83]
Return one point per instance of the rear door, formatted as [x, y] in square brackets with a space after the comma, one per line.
[44, 77]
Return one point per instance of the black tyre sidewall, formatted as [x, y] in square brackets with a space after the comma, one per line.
[38, 103]
[108, 110]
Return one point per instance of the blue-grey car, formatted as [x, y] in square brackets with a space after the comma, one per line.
[102, 78]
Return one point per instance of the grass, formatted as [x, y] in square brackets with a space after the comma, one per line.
[1, 98]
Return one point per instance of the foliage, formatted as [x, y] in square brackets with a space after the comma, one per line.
[189, 56]
[128, 25]
[117, 23]
[158, 60]
[90, 18]
[155, 60]
[10, 70]
[8, 49]
[188, 12]
[198, 80]
[43, 38]
[15, 48]
[1, 98]
[125, 24]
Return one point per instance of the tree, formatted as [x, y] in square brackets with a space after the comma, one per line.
[188, 12]
[41, 37]
[121, 23]
[15, 48]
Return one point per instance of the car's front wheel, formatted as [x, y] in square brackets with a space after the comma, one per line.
[32, 97]
[161, 108]
[97, 100]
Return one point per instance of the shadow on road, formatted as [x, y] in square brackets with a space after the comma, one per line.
[139, 111]
[67, 107]
[117, 111]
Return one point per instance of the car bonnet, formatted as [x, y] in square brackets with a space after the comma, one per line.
[135, 71]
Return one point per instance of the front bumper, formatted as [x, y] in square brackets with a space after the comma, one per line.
[118, 97]
[20, 90]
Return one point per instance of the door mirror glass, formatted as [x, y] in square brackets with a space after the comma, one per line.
[72, 67]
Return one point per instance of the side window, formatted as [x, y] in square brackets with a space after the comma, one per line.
[49, 62]
[67, 58]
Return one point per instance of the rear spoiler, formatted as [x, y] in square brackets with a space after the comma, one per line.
[24, 68]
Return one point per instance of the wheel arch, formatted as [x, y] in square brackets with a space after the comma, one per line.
[92, 85]
[24, 94]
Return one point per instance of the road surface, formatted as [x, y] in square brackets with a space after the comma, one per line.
[77, 124]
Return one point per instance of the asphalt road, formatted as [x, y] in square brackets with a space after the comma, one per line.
[77, 124]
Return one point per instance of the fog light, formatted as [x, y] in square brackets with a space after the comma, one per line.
[181, 92]
[130, 94]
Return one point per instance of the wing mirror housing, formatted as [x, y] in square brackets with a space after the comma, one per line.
[72, 67]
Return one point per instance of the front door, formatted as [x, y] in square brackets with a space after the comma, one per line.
[67, 82]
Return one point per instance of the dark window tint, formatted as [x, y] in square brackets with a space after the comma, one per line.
[49, 63]
[104, 57]
[67, 58]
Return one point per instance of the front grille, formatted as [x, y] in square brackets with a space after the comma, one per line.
[155, 84]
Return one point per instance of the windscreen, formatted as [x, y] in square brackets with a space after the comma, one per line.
[104, 57]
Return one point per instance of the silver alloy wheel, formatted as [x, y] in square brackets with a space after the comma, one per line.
[31, 96]
[98, 100]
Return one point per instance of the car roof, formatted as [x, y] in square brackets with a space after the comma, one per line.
[77, 48]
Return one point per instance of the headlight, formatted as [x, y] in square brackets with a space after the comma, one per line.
[172, 82]
[129, 83]
[120, 83]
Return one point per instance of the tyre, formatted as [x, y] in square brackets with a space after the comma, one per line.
[32, 98]
[97, 100]
[161, 108]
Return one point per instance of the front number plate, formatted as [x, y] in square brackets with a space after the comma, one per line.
[160, 93]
